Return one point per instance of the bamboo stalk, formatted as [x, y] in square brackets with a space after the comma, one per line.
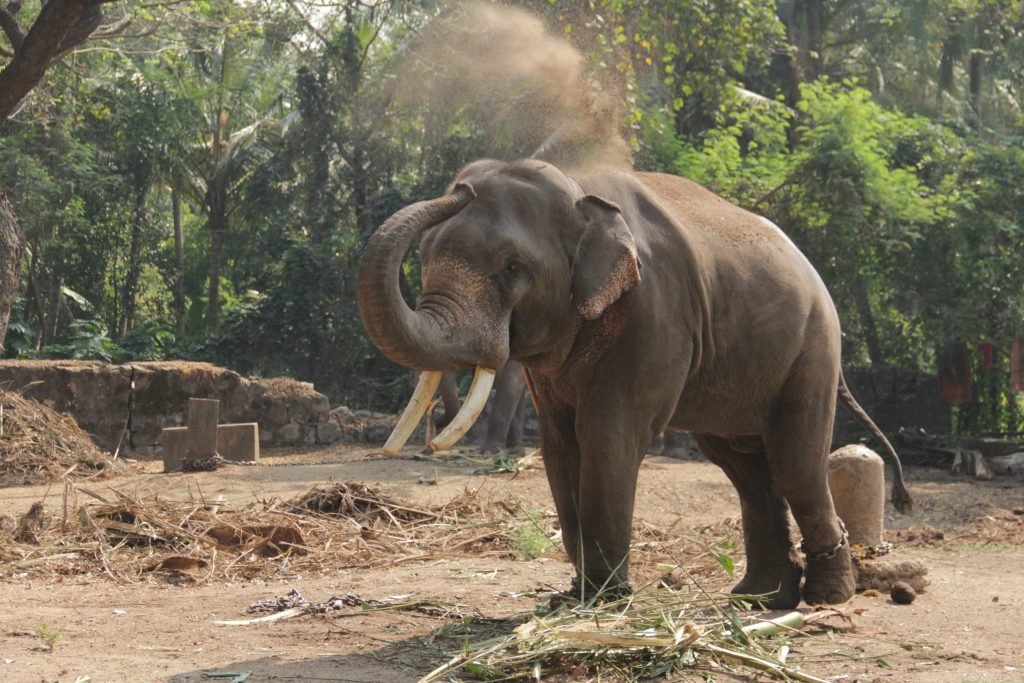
[767, 665]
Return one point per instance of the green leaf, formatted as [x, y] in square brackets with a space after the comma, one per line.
[726, 561]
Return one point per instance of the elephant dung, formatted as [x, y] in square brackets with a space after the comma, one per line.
[882, 575]
[856, 478]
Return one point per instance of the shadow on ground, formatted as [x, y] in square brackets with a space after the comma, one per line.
[399, 661]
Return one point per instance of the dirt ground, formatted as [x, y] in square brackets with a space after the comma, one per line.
[968, 626]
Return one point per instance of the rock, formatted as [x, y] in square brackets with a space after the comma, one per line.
[902, 593]
[342, 413]
[291, 433]
[308, 434]
[277, 413]
[1011, 464]
[378, 431]
[328, 432]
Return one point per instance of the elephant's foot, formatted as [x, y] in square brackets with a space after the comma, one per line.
[588, 591]
[830, 576]
[781, 589]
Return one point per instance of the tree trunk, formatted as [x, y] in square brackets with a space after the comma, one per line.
[976, 71]
[815, 60]
[867, 321]
[52, 324]
[974, 77]
[216, 202]
[12, 251]
[33, 300]
[131, 284]
[179, 263]
[217, 233]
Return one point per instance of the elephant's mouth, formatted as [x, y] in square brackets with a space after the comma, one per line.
[479, 392]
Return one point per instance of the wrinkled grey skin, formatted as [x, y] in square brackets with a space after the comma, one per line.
[507, 415]
[637, 303]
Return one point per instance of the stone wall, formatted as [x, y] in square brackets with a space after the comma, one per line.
[128, 405]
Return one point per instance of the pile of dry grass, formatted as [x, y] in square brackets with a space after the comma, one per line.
[39, 445]
[329, 527]
[647, 635]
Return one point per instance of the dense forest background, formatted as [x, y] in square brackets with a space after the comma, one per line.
[197, 179]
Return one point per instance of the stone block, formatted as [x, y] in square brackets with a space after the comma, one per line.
[172, 447]
[239, 442]
[201, 441]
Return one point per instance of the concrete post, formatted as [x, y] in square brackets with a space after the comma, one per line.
[201, 440]
[172, 446]
[856, 478]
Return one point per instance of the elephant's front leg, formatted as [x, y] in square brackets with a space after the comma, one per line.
[592, 459]
[608, 476]
[611, 449]
[561, 454]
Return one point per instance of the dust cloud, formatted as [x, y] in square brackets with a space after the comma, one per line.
[484, 68]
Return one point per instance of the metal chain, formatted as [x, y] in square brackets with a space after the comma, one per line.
[828, 554]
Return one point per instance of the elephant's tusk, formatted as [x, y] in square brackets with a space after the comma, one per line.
[425, 388]
[479, 392]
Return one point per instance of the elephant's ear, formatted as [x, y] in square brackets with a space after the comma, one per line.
[606, 265]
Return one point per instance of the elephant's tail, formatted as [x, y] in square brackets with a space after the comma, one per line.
[900, 496]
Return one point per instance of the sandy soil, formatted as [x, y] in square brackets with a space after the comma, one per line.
[968, 626]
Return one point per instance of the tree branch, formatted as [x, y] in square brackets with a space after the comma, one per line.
[9, 23]
[60, 26]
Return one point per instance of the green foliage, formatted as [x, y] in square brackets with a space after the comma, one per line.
[722, 554]
[529, 538]
[49, 635]
[746, 156]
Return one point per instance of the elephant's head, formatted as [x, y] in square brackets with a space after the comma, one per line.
[515, 257]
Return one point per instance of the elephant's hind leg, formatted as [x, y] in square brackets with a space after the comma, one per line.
[772, 565]
[798, 456]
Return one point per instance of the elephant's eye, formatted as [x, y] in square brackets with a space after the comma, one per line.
[515, 273]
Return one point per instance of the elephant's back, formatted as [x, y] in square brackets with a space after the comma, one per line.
[707, 216]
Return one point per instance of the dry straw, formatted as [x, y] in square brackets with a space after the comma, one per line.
[40, 445]
[335, 526]
[647, 635]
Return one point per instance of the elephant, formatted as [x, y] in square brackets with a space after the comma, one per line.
[637, 302]
[505, 423]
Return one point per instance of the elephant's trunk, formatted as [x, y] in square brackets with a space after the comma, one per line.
[415, 339]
